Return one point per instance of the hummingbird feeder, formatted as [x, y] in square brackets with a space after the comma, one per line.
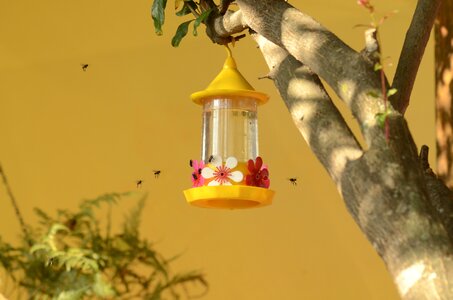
[230, 174]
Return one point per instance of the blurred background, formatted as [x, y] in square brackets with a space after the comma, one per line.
[67, 134]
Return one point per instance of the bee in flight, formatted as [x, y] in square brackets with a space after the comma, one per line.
[139, 183]
[84, 67]
[293, 180]
[156, 173]
[211, 158]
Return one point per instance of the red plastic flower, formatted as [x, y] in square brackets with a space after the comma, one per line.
[259, 175]
[197, 179]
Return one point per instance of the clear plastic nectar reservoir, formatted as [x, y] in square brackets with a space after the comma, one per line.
[230, 128]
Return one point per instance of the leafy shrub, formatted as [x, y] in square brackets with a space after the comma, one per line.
[74, 257]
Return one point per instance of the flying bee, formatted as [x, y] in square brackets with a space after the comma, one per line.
[293, 180]
[84, 67]
[191, 163]
[139, 183]
[156, 173]
[211, 158]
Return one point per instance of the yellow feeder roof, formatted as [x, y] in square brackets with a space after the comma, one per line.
[229, 82]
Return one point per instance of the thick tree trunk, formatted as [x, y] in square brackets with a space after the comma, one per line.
[444, 90]
[401, 207]
[381, 196]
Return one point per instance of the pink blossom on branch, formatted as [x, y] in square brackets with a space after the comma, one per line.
[367, 4]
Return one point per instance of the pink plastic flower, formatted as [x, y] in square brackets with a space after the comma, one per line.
[222, 174]
[259, 175]
[197, 179]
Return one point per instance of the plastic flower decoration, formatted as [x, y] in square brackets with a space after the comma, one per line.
[197, 179]
[222, 174]
[259, 175]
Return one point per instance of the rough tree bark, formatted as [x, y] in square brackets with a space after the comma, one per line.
[390, 191]
[444, 90]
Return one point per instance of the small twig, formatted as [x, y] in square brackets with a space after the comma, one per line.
[423, 157]
[417, 37]
[14, 203]
[194, 12]
[241, 36]
[265, 77]
[109, 222]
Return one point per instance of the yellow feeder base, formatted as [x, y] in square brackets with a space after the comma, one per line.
[229, 197]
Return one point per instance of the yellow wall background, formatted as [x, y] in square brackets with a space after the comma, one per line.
[67, 135]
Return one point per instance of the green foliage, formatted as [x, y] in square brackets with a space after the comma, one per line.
[200, 19]
[381, 118]
[72, 257]
[377, 66]
[187, 8]
[200, 10]
[181, 32]
[391, 92]
[158, 14]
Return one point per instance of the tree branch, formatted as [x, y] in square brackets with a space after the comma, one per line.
[15, 205]
[219, 28]
[443, 33]
[312, 110]
[383, 187]
[395, 217]
[417, 37]
[309, 42]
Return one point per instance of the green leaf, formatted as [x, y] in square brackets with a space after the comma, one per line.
[186, 8]
[391, 92]
[377, 67]
[158, 14]
[57, 227]
[201, 18]
[181, 32]
[38, 247]
[380, 118]
[373, 94]
[42, 215]
[102, 288]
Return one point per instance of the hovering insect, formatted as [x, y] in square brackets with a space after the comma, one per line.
[139, 183]
[84, 67]
[211, 158]
[156, 173]
[293, 180]
[190, 163]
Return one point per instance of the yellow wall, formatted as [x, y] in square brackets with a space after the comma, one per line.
[66, 135]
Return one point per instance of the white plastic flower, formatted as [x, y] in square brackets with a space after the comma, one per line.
[222, 174]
